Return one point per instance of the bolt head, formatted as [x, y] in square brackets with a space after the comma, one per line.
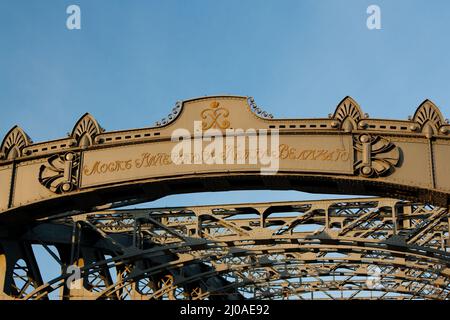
[364, 138]
[366, 170]
[335, 124]
[362, 124]
[69, 156]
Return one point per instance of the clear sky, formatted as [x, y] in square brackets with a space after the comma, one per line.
[132, 60]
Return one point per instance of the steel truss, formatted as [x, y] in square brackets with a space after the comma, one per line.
[372, 248]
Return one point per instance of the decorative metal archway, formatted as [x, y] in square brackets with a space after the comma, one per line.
[62, 195]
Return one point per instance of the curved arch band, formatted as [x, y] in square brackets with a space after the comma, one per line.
[346, 153]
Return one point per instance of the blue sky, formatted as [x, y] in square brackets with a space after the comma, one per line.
[132, 60]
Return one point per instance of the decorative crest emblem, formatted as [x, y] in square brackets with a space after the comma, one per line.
[379, 156]
[215, 117]
[60, 173]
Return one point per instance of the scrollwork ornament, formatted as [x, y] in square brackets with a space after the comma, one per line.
[378, 156]
[60, 173]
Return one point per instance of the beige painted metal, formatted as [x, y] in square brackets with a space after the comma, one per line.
[63, 193]
[346, 153]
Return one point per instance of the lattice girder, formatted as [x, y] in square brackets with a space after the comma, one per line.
[263, 251]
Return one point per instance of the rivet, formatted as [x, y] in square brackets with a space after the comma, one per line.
[69, 156]
[366, 170]
[364, 138]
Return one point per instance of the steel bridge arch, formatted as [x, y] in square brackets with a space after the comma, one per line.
[347, 153]
[333, 261]
[71, 186]
[427, 255]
